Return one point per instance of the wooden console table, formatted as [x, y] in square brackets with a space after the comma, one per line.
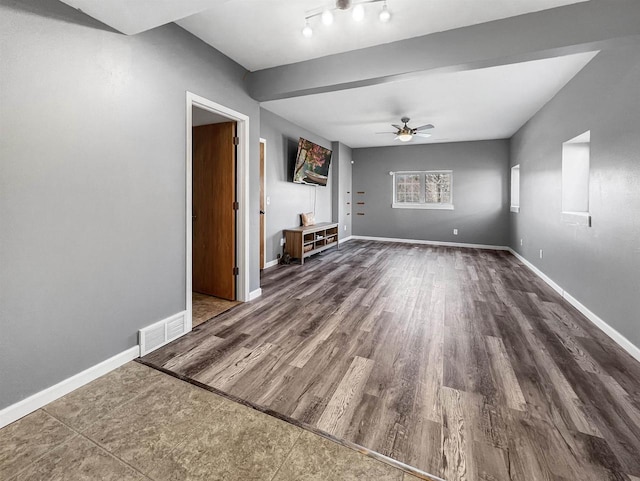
[302, 242]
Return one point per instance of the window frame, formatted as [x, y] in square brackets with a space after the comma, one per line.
[423, 186]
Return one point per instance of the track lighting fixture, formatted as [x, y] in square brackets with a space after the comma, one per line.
[358, 13]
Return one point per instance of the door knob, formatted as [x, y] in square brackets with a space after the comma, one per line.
[261, 212]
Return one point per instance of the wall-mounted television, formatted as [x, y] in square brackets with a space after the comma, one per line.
[312, 163]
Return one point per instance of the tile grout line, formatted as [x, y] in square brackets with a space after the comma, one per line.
[287, 456]
[98, 445]
[180, 443]
[75, 434]
[118, 406]
[113, 455]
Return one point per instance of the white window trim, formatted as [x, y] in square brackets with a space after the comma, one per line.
[401, 205]
[424, 206]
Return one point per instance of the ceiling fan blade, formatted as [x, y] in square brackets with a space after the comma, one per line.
[423, 127]
[420, 134]
[394, 133]
[396, 126]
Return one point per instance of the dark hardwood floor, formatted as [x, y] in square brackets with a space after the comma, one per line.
[459, 362]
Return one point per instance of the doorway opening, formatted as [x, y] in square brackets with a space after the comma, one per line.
[217, 231]
[263, 202]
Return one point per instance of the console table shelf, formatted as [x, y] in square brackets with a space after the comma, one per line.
[302, 242]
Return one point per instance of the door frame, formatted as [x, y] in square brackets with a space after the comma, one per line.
[264, 200]
[242, 191]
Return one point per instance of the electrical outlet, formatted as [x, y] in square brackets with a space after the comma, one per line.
[521, 242]
[455, 231]
[541, 253]
[345, 227]
[282, 241]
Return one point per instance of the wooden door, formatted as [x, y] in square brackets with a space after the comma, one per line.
[262, 206]
[214, 185]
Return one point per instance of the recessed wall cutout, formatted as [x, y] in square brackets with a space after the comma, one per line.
[576, 160]
[515, 188]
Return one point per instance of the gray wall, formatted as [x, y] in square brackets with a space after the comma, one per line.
[342, 194]
[598, 265]
[289, 200]
[92, 185]
[480, 192]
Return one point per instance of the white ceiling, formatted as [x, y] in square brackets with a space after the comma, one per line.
[490, 103]
[468, 105]
[135, 16]
[265, 33]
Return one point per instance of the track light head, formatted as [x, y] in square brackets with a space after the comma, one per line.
[358, 13]
[385, 14]
[327, 17]
[307, 31]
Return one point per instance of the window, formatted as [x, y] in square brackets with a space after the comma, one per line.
[515, 188]
[575, 179]
[423, 190]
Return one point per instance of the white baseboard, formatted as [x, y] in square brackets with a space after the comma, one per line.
[271, 263]
[346, 239]
[539, 273]
[255, 294]
[36, 401]
[619, 339]
[431, 243]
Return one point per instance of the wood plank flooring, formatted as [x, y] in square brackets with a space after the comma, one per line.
[459, 362]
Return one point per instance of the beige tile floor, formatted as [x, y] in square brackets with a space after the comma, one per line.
[136, 423]
[205, 307]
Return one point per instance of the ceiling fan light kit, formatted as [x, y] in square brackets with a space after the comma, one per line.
[357, 12]
[405, 133]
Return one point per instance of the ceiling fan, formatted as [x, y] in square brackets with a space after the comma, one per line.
[405, 133]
